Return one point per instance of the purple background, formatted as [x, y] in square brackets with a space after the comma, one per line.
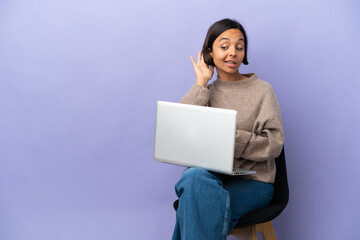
[79, 81]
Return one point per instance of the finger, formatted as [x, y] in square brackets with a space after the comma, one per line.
[202, 58]
[199, 57]
[192, 61]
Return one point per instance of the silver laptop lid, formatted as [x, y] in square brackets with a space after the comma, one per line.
[190, 135]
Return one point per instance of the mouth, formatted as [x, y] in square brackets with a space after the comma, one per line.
[230, 64]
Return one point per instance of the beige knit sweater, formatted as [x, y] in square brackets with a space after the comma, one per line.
[259, 135]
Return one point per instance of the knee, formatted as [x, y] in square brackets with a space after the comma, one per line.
[195, 179]
[195, 175]
[195, 172]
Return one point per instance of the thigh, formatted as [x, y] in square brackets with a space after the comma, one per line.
[247, 196]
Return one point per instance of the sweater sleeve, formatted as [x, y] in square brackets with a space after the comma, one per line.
[197, 95]
[267, 138]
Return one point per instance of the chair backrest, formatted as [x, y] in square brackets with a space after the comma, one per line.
[281, 194]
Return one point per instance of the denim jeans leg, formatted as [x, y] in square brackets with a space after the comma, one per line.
[204, 207]
[247, 196]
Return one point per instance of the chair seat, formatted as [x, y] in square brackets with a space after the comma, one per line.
[260, 216]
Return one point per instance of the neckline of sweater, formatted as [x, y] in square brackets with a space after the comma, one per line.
[251, 77]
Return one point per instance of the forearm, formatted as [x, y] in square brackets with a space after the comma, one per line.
[262, 147]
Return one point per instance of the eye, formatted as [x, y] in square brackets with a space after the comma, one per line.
[239, 48]
[224, 47]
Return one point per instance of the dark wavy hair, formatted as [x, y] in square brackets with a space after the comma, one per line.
[214, 31]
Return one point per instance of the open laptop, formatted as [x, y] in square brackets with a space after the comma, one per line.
[196, 136]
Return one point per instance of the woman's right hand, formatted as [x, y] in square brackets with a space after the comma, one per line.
[202, 71]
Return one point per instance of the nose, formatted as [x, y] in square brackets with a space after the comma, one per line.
[233, 51]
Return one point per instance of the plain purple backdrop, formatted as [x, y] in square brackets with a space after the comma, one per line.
[79, 81]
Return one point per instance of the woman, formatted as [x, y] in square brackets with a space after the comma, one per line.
[210, 204]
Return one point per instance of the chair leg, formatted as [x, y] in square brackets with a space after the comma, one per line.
[267, 231]
[250, 233]
[246, 233]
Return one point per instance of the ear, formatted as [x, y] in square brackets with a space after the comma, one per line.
[210, 52]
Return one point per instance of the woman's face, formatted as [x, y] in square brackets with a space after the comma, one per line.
[228, 51]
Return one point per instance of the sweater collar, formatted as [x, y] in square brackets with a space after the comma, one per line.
[251, 77]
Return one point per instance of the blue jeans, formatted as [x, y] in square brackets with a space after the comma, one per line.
[210, 204]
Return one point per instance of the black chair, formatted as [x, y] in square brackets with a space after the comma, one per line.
[260, 220]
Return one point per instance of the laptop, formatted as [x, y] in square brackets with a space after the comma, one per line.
[196, 136]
